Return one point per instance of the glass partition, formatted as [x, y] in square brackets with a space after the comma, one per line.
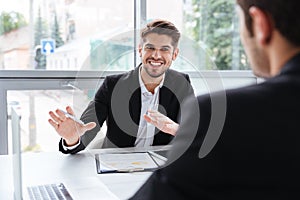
[33, 107]
[93, 34]
[209, 25]
[55, 34]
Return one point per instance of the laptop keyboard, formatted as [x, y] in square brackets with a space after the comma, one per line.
[49, 192]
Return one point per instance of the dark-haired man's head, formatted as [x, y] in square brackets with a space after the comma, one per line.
[284, 15]
[158, 49]
[270, 33]
[162, 27]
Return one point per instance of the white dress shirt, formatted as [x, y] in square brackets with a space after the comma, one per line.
[146, 131]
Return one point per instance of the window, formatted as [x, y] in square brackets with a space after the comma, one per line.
[78, 27]
[33, 106]
[97, 32]
[210, 32]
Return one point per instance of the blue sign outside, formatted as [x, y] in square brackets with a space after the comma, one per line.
[48, 46]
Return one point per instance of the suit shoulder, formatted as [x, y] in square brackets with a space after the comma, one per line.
[173, 74]
[116, 77]
[237, 97]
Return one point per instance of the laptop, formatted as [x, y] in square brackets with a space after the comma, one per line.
[70, 189]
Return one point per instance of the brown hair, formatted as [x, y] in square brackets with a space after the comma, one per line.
[162, 27]
[284, 14]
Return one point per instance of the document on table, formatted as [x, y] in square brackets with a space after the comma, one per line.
[125, 162]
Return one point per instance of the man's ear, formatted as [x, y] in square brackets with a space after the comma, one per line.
[175, 54]
[140, 50]
[261, 24]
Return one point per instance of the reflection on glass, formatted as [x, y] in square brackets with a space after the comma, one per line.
[33, 108]
[78, 27]
[68, 29]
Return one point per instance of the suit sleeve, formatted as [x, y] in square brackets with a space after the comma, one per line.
[96, 111]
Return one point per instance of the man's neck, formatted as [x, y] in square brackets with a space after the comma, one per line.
[151, 87]
[280, 53]
[150, 82]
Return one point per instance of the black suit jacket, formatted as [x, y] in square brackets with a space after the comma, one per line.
[118, 102]
[257, 153]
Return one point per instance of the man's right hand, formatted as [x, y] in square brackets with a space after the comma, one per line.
[161, 122]
[67, 128]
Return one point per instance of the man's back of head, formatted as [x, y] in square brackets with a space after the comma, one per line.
[284, 15]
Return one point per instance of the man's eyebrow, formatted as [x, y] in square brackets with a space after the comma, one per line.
[151, 45]
[164, 46]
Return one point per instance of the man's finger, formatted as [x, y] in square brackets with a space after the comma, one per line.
[61, 115]
[147, 118]
[54, 124]
[54, 117]
[154, 113]
[70, 110]
[89, 126]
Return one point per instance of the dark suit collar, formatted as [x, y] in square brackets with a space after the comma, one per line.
[133, 80]
[292, 66]
[134, 91]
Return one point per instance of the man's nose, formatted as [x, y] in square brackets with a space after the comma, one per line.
[156, 54]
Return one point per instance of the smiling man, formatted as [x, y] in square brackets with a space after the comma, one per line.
[141, 107]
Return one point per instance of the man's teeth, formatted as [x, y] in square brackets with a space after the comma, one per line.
[155, 63]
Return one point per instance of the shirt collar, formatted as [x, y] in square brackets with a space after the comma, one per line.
[142, 85]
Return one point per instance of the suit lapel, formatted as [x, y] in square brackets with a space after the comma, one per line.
[135, 98]
[135, 106]
[164, 99]
[165, 95]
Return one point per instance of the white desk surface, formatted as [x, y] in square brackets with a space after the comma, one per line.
[43, 168]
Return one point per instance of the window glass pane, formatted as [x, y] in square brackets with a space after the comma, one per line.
[210, 35]
[68, 35]
[33, 107]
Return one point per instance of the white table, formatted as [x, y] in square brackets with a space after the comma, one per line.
[42, 168]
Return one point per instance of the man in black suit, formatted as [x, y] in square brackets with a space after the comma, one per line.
[123, 100]
[248, 148]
